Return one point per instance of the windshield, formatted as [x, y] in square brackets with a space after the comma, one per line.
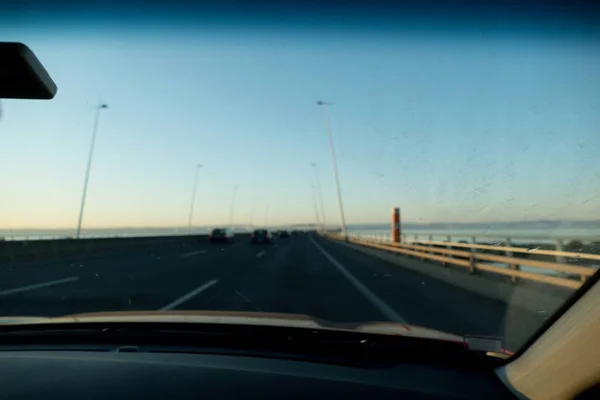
[434, 170]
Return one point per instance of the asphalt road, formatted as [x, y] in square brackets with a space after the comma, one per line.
[302, 274]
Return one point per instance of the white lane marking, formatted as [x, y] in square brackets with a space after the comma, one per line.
[193, 253]
[260, 254]
[248, 301]
[188, 296]
[39, 285]
[376, 301]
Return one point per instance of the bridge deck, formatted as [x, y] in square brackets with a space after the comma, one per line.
[302, 274]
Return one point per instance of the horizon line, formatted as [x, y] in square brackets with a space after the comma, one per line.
[183, 227]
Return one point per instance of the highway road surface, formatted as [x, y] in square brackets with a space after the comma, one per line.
[303, 274]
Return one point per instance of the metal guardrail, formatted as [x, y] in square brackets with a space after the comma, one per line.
[16, 236]
[27, 238]
[472, 258]
[510, 242]
[49, 236]
[499, 234]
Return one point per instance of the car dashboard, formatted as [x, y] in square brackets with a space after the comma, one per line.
[129, 372]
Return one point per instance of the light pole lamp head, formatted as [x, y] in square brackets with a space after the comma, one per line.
[103, 106]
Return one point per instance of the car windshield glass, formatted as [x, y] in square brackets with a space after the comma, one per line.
[392, 164]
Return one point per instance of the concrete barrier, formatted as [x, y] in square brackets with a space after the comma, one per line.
[31, 252]
[532, 296]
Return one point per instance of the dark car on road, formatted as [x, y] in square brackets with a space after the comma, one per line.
[221, 235]
[284, 234]
[261, 236]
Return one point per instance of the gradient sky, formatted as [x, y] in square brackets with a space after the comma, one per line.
[449, 128]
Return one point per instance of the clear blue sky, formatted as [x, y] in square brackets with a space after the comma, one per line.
[448, 128]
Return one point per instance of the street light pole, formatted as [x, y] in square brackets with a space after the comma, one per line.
[232, 207]
[314, 198]
[335, 169]
[89, 165]
[198, 166]
[320, 195]
[252, 212]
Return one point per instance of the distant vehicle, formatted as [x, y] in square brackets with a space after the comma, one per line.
[220, 235]
[261, 236]
[284, 234]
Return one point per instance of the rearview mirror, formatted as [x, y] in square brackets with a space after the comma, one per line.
[22, 75]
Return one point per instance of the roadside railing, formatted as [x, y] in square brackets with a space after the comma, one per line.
[552, 267]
